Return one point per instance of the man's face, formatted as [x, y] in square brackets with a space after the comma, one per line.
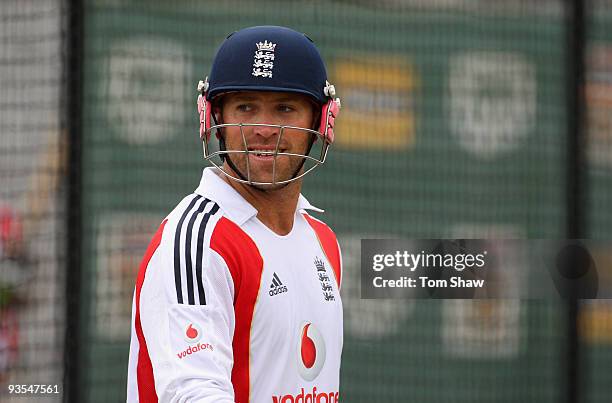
[274, 108]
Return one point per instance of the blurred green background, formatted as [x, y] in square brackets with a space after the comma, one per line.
[454, 124]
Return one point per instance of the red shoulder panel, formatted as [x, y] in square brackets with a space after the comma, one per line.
[246, 265]
[144, 371]
[329, 244]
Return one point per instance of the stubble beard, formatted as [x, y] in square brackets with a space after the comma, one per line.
[271, 187]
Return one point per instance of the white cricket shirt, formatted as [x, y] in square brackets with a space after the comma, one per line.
[225, 310]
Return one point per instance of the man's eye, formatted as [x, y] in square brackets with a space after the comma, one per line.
[285, 108]
[244, 108]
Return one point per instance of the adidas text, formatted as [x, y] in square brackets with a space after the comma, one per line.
[278, 290]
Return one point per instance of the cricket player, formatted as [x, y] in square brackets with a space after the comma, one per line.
[237, 298]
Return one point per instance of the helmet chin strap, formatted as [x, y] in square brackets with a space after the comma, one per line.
[299, 168]
[226, 158]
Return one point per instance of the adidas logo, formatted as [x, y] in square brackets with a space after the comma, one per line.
[277, 286]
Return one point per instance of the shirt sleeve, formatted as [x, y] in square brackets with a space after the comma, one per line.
[189, 342]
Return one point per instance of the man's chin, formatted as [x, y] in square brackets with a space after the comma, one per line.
[262, 181]
[265, 182]
[270, 187]
[259, 176]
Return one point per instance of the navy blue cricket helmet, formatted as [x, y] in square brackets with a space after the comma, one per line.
[268, 58]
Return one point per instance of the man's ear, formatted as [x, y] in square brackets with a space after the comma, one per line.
[217, 108]
[316, 116]
[217, 113]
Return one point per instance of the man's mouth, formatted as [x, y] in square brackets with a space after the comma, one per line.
[264, 152]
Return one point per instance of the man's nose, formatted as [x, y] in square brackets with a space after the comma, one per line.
[266, 119]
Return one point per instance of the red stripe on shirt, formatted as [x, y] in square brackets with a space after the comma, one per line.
[245, 264]
[144, 372]
[329, 244]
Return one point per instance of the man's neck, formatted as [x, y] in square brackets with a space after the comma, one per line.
[275, 208]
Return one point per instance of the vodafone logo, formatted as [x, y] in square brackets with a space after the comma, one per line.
[314, 396]
[311, 352]
[192, 334]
